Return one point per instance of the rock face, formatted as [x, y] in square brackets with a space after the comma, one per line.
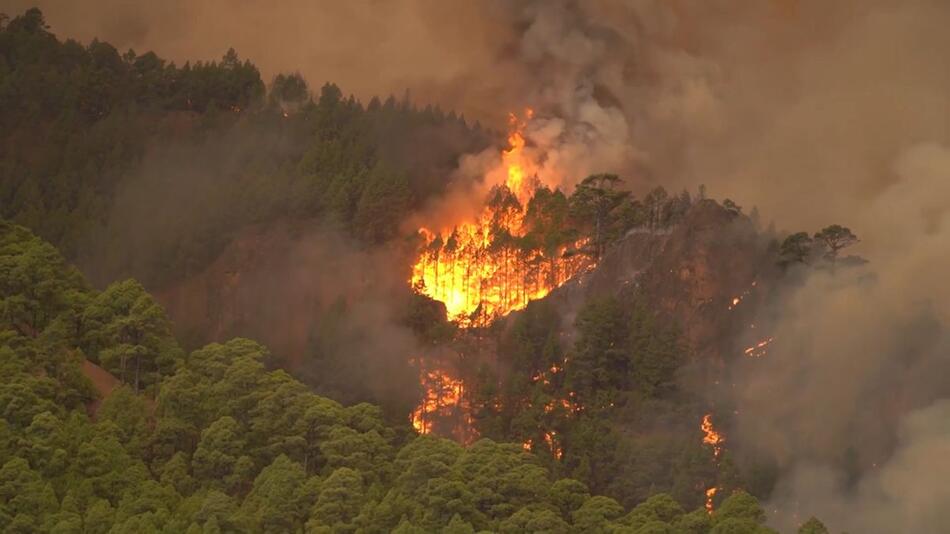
[690, 275]
[713, 258]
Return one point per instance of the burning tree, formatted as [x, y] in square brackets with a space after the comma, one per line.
[516, 250]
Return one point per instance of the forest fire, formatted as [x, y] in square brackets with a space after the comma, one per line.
[710, 495]
[711, 436]
[736, 300]
[714, 439]
[759, 349]
[485, 268]
[443, 400]
[550, 439]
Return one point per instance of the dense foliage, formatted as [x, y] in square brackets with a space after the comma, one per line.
[103, 151]
[604, 410]
[213, 442]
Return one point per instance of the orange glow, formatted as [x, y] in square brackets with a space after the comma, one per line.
[481, 268]
[567, 405]
[511, 158]
[712, 437]
[759, 349]
[736, 300]
[550, 439]
[477, 269]
[710, 494]
[443, 398]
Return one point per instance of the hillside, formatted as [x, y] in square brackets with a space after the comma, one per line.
[231, 304]
[231, 446]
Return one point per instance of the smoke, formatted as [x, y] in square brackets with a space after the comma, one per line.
[851, 399]
[439, 51]
[815, 112]
[324, 306]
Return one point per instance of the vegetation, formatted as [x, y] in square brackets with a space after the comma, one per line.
[131, 165]
[98, 147]
[822, 248]
[213, 442]
[606, 410]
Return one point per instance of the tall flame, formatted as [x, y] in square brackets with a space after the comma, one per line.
[477, 268]
[482, 268]
[711, 437]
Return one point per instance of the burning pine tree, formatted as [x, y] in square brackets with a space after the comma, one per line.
[518, 249]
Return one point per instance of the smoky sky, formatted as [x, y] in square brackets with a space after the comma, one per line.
[798, 107]
[816, 112]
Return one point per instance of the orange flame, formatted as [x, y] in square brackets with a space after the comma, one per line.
[715, 440]
[550, 438]
[476, 269]
[710, 494]
[443, 398]
[480, 270]
[711, 437]
[759, 349]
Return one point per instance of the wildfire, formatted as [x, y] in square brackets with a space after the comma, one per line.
[759, 349]
[443, 398]
[478, 268]
[512, 158]
[736, 300]
[714, 439]
[710, 495]
[483, 268]
[550, 439]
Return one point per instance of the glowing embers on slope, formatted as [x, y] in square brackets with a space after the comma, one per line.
[714, 439]
[551, 440]
[759, 349]
[444, 407]
[736, 300]
[569, 405]
[710, 495]
[483, 268]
